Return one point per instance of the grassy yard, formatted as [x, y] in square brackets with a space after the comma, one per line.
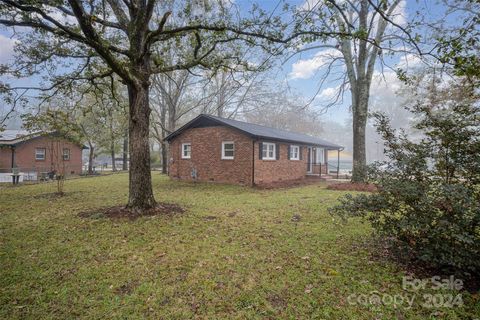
[235, 253]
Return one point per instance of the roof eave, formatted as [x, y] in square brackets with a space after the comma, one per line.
[329, 147]
[253, 136]
[187, 125]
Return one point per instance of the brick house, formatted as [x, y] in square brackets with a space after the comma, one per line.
[211, 148]
[33, 154]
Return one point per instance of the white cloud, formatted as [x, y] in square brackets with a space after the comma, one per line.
[409, 61]
[328, 93]
[305, 69]
[385, 84]
[6, 48]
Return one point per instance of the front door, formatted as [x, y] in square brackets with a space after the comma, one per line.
[309, 160]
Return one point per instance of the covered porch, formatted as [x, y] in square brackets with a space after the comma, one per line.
[319, 164]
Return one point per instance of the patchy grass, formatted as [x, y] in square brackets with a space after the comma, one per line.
[236, 253]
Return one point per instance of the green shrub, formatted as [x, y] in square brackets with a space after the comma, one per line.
[428, 195]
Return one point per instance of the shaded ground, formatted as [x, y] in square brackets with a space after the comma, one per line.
[120, 212]
[235, 253]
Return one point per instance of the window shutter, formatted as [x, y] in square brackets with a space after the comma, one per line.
[288, 151]
[300, 151]
[260, 150]
[277, 151]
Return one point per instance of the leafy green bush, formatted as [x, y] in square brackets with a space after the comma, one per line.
[428, 195]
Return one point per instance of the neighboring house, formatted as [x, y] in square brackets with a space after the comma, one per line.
[33, 154]
[210, 148]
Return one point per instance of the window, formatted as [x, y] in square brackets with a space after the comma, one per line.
[268, 151]
[66, 154]
[186, 150]
[40, 153]
[294, 153]
[227, 150]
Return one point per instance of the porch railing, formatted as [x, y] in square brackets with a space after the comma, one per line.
[329, 168]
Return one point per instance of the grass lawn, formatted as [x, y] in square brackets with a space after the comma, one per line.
[235, 253]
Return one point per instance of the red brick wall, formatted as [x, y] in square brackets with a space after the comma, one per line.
[267, 171]
[206, 156]
[206, 146]
[5, 158]
[25, 156]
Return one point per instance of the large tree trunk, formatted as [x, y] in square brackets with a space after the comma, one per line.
[360, 115]
[140, 178]
[90, 158]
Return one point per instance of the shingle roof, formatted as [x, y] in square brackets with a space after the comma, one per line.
[12, 137]
[11, 134]
[255, 131]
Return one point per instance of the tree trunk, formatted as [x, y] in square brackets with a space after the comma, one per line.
[163, 144]
[221, 95]
[360, 114]
[112, 144]
[112, 154]
[164, 157]
[125, 151]
[140, 178]
[172, 119]
[90, 158]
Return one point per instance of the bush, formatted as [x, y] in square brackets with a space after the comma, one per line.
[428, 195]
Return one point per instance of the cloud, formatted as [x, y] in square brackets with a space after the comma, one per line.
[305, 69]
[385, 84]
[315, 4]
[409, 61]
[6, 48]
[328, 93]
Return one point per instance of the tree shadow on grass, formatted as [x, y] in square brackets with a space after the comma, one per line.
[121, 212]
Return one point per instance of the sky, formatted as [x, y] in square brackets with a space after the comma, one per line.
[302, 72]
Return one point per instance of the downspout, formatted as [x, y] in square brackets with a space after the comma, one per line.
[253, 162]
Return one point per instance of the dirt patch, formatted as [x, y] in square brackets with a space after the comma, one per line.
[277, 301]
[126, 288]
[349, 186]
[121, 212]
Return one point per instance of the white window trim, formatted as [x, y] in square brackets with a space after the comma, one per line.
[44, 153]
[291, 152]
[183, 150]
[265, 145]
[224, 157]
[66, 154]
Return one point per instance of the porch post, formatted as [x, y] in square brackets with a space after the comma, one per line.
[338, 161]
